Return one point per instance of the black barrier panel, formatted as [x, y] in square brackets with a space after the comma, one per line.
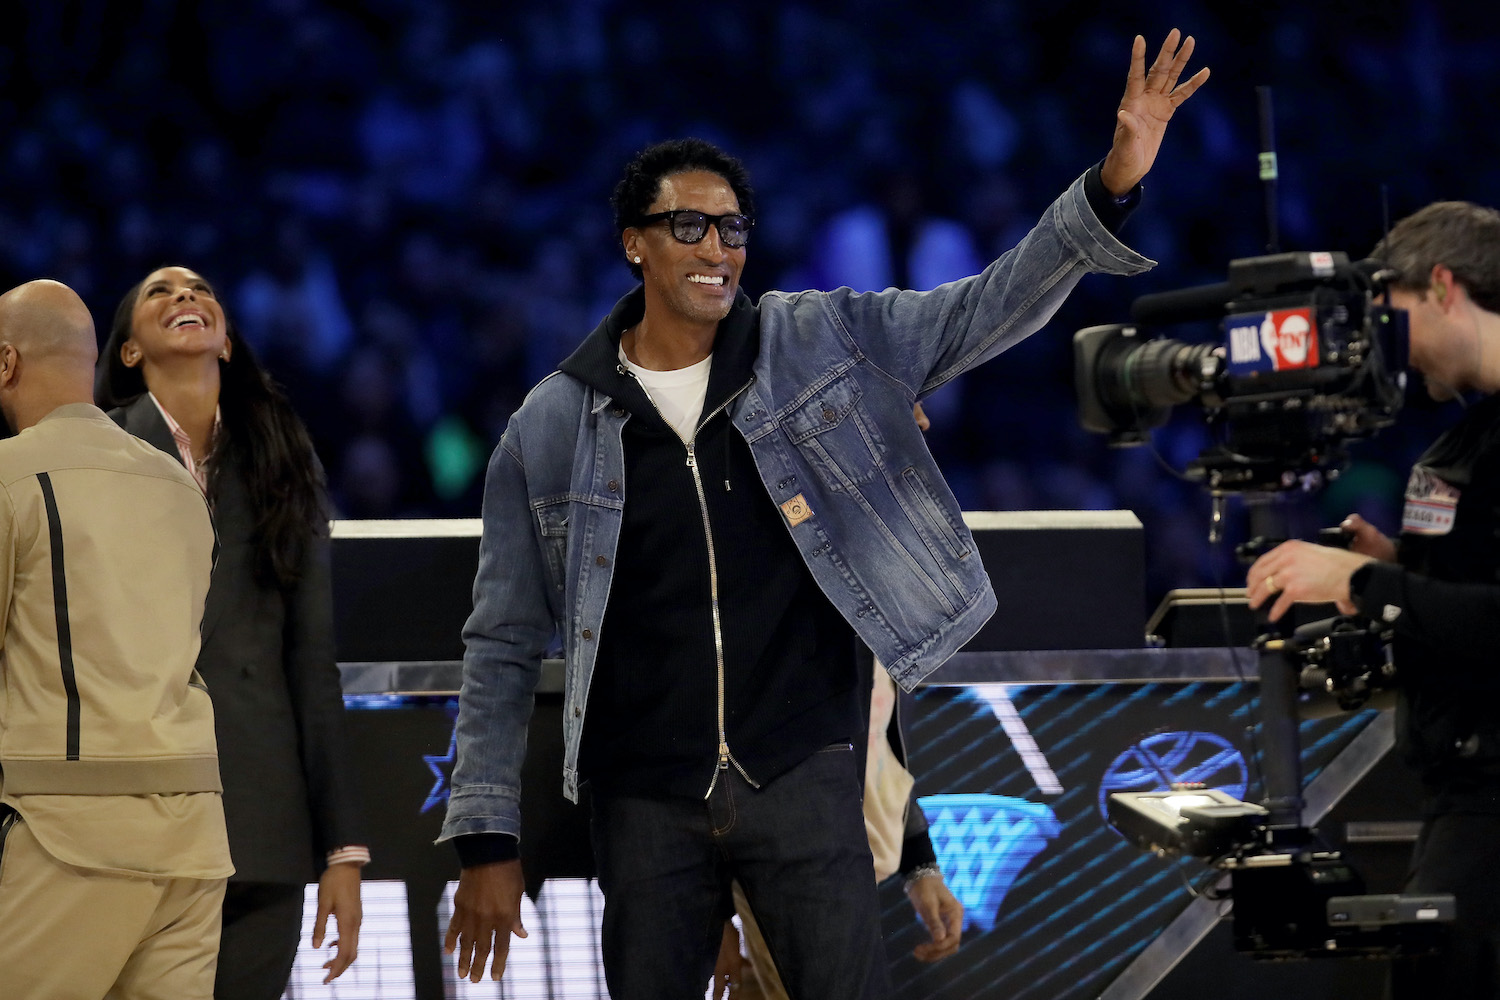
[401, 597]
[1063, 580]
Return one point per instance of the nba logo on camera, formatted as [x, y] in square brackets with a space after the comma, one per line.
[1275, 341]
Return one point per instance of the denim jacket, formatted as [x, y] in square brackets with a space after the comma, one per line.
[828, 420]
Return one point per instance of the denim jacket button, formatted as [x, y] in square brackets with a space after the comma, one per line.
[618, 411]
[588, 633]
[828, 414]
[613, 486]
[577, 712]
[600, 561]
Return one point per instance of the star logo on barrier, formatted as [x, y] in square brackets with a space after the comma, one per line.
[441, 766]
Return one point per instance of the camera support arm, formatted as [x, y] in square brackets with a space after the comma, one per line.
[1281, 752]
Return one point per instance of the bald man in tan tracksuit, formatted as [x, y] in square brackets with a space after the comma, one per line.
[113, 854]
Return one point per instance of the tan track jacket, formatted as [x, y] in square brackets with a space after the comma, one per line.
[106, 547]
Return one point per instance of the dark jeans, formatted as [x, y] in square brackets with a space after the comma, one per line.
[258, 945]
[797, 846]
[1458, 853]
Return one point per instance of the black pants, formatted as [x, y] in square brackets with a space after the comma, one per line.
[1458, 853]
[798, 847]
[262, 922]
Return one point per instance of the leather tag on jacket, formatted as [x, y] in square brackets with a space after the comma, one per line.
[796, 510]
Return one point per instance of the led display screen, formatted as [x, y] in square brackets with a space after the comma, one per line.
[1011, 778]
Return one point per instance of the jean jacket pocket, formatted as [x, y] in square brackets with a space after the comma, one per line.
[836, 435]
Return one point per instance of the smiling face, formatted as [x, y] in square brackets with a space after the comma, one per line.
[688, 282]
[176, 315]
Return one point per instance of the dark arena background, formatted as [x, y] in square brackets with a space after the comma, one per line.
[404, 206]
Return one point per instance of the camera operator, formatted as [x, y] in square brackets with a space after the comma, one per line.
[1438, 587]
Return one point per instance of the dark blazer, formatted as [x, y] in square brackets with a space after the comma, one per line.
[268, 660]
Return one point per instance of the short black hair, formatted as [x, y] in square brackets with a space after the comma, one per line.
[641, 183]
[1459, 235]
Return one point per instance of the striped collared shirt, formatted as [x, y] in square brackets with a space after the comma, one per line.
[184, 443]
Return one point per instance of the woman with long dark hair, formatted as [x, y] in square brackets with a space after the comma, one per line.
[175, 373]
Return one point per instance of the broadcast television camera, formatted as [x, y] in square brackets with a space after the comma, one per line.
[1308, 359]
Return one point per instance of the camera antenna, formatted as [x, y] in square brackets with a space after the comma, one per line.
[1268, 165]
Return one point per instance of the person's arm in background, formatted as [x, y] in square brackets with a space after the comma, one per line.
[938, 909]
[1456, 617]
[504, 639]
[309, 660]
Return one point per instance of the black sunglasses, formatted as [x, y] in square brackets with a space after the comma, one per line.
[689, 226]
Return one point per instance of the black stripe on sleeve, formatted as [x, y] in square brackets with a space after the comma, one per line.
[60, 602]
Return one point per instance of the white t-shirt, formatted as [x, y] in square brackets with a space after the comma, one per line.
[678, 394]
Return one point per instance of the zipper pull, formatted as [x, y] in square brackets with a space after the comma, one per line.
[723, 756]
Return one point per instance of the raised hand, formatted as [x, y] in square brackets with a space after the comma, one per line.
[1151, 98]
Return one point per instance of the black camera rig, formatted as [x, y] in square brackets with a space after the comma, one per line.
[1309, 356]
[1347, 658]
[1307, 359]
[1293, 899]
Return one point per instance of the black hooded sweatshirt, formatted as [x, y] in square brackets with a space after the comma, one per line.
[791, 682]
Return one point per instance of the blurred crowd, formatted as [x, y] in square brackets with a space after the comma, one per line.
[403, 203]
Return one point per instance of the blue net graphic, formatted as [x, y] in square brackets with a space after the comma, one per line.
[982, 843]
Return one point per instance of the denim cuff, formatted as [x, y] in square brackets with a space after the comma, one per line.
[1087, 217]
